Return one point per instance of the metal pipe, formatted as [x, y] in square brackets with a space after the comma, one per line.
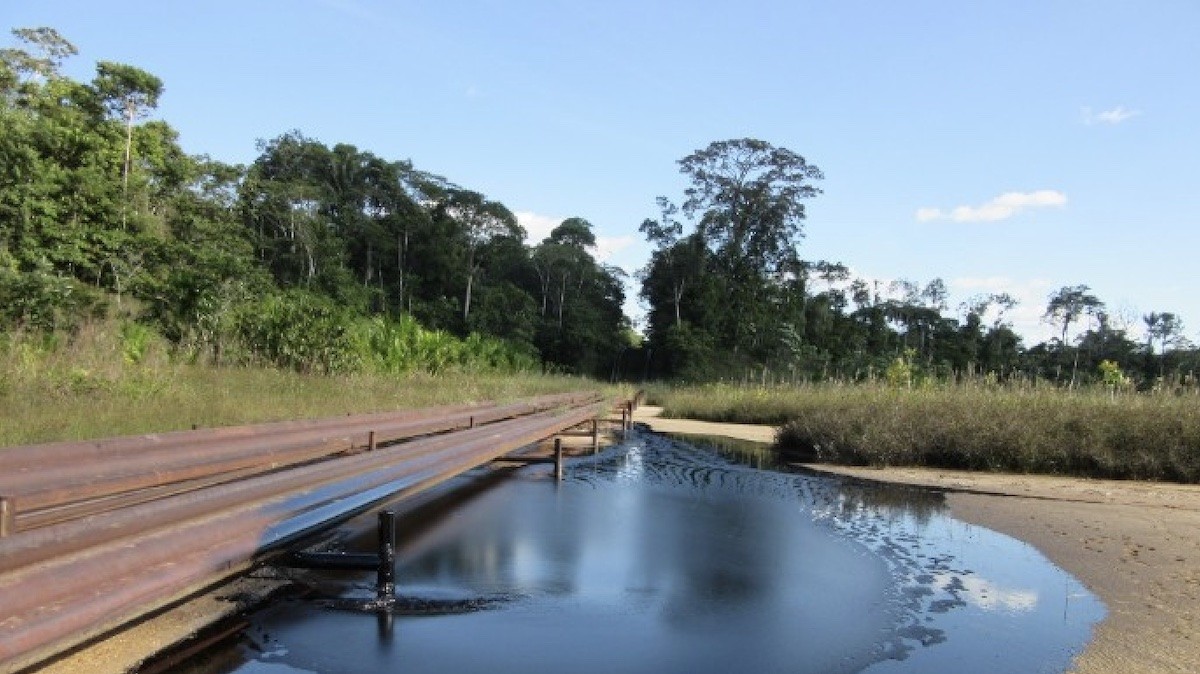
[81, 478]
[64, 600]
[24, 458]
[385, 583]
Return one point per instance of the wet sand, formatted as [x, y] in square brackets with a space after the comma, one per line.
[1134, 544]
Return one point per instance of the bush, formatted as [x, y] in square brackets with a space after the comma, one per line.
[299, 331]
[42, 301]
[1155, 437]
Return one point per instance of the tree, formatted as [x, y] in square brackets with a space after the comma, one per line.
[746, 199]
[677, 259]
[1165, 327]
[563, 256]
[480, 221]
[749, 196]
[49, 51]
[128, 92]
[1066, 306]
[575, 232]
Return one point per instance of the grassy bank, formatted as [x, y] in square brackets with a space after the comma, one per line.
[1042, 430]
[93, 387]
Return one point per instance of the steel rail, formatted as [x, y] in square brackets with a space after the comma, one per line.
[58, 590]
[126, 468]
[22, 458]
[37, 545]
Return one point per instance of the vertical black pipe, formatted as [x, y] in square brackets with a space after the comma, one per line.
[385, 584]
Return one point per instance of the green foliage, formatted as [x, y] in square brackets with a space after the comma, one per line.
[1112, 376]
[55, 386]
[899, 373]
[38, 300]
[281, 262]
[136, 340]
[300, 331]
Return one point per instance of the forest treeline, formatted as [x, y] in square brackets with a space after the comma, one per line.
[331, 258]
[312, 257]
[730, 298]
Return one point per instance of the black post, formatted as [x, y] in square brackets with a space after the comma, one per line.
[385, 584]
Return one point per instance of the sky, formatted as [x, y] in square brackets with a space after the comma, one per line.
[1002, 145]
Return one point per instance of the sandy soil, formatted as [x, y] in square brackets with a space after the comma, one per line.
[1135, 544]
[128, 648]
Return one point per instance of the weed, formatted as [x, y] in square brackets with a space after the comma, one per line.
[84, 387]
[975, 427]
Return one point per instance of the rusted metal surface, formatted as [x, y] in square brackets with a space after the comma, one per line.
[68, 582]
[54, 476]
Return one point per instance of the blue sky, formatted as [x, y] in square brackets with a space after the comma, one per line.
[1003, 146]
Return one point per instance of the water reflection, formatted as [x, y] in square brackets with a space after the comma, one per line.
[891, 502]
[662, 555]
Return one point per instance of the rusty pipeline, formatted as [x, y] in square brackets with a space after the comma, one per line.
[69, 582]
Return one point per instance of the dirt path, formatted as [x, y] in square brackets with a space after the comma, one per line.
[1135, 544]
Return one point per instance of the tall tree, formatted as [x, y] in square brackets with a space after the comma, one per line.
[679, 259]
[1065, 306]
[1068, 304]
[747, 199]
[129, 93]
[1165, 327]
[480, 221]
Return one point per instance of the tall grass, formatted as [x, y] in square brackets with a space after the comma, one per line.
[1037, 430]
[111, 380]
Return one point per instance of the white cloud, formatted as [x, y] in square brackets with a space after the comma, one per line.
[1000, 208]
[989, 596]
[607, 246]
[1111, 117]
[925, 214]
[537, 227]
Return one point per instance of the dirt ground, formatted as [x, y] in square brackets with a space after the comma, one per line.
[1134, 544]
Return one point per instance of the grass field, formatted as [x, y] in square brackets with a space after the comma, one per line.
[93, 388]
[1036, 430]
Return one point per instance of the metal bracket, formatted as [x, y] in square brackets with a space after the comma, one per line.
[383, 562]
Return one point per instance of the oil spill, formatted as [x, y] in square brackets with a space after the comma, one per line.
[662, 555]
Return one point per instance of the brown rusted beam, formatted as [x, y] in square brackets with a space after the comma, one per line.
[67, 583]
[125, 467]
